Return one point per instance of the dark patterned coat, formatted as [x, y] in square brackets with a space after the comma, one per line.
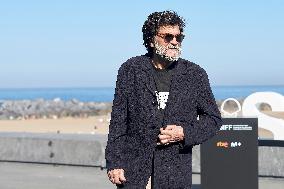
[134, 125]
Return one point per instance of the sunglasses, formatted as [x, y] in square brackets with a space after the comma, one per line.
[169, 37]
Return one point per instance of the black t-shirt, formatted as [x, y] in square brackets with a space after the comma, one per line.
[163, 81]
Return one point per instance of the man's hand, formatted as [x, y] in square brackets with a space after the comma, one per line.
[116, 176]
[172, 133]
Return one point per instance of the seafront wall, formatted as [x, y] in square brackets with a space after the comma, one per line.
[88, 150]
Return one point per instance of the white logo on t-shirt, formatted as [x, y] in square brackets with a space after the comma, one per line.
[162, 98]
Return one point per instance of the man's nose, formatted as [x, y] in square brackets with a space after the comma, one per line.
[174, 41]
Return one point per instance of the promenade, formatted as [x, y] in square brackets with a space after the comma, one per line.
[45, 176]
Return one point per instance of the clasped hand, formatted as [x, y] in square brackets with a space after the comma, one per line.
[172, 133]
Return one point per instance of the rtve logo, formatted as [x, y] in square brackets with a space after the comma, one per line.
[225, 144]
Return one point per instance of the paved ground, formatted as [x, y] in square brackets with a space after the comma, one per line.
[43, 176]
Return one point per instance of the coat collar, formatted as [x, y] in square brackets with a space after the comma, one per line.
[181, 69]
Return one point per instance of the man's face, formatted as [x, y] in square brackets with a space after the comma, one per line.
[166, 45]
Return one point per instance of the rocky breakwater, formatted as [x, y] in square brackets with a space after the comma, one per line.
[56, 108]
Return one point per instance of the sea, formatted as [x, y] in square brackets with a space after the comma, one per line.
[106, 94]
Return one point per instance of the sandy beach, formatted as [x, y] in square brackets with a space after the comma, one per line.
[90, 125]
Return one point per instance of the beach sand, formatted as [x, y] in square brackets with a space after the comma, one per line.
[90, 125]
[93, 124]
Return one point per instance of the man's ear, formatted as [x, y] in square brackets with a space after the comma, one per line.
[151, 44]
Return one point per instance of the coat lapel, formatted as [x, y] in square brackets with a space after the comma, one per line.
[176, 87]
[147, 67]
[148, 70]
[176, 81]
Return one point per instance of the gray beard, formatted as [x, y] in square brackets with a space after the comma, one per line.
[161, 51]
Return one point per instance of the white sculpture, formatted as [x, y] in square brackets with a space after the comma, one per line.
[276, 101]
[233, 114]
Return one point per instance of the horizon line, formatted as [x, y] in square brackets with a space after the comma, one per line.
[89, 87]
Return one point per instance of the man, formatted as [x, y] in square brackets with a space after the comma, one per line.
[163, 106]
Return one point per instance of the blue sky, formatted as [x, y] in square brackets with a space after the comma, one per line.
[83, 43]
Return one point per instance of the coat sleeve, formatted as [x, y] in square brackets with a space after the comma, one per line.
[118, 122]
[209, 121]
